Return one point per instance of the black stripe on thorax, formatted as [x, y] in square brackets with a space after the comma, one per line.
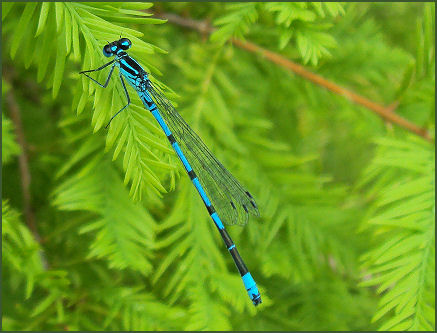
[130, 65]
[128, 69]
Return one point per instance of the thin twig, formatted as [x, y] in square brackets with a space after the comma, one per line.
[386, 113]
[23, 162]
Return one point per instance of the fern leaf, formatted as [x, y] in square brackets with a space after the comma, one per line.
[403, 267]
[21, 251]
[289, 12]
[236, 23]
[124, 231]
[92, 20]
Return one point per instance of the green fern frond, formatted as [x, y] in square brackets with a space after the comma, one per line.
[191, 232]
[302, 223]
[131, 309]
[195, 255]
[195, 267]
[291, 19]
[124, 230]
[314, 45]
[25, 263]
[206, 314]
[94, 22]
[236, 23]
[159, 263]
[353, 308]
[300, 20]
[131, 130]
[21, 252]
[333, 9]
[403, 267]
[287, 13]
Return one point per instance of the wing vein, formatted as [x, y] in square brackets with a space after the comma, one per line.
[223, 189]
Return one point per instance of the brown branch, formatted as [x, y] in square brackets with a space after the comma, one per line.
[384, 112]
[23, 162]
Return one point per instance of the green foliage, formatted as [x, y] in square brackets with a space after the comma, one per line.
[91, 24]
[301, 22]
[402, 264]
[237, 22]
[24, 263]
[20, 250]
[123, 231]
[124, 240]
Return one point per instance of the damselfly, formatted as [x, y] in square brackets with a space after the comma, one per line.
[225, 198]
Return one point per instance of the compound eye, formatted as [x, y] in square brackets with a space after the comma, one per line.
[107, 50]
[125, 43]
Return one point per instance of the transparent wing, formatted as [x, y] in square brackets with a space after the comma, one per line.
[230, 199]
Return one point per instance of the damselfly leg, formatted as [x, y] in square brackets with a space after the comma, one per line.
[128, 100]
[106, 84]
[99, 69]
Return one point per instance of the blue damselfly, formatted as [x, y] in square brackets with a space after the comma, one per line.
[224, 197]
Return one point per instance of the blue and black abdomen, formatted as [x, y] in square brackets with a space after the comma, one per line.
[248, 281]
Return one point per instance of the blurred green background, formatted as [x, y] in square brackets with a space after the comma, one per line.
[102, 230]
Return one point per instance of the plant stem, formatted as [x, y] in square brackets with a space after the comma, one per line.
[387, 113]
[23, 161]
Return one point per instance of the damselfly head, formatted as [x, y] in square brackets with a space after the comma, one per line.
[111, 49]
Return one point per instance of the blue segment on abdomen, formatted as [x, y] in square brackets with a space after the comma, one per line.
[187, 166]
[217, 221]
[165, 128]
[250, 285]
[174, 145]
[181, 156]
[201, 191]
